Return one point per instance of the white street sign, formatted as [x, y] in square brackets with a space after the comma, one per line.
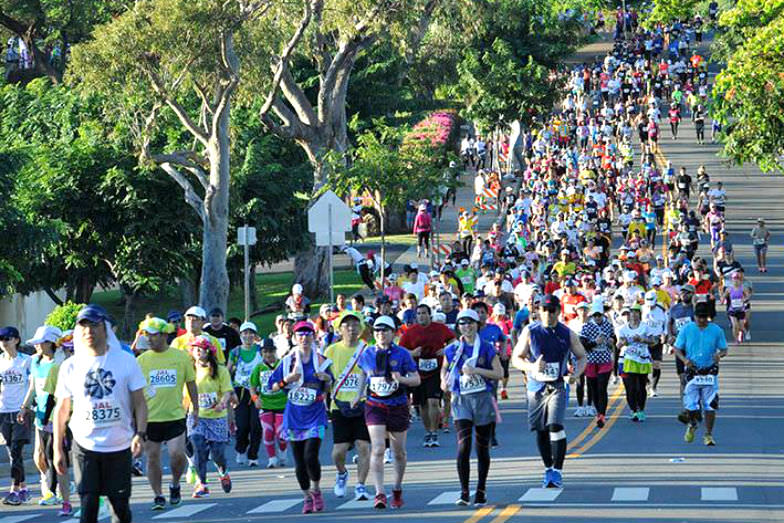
[246, 234]
[329, 215]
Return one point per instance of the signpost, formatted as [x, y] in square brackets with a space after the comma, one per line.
[330, 219]
[246, 236]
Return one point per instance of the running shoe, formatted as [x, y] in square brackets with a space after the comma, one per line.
[225, 480]
[307, 504]
[12, 499]
[480, 498]
[136, 469]
[464, 499]
[556, 479]
[380, 502]
[240, 459]
[504, 395]
[634, 417]
[428, 439]
[388, 456]
[49, 499]
[272, 462]
[578, 412]
[158, 503]
[434, 440]
[360, 492]
[24, 496]
[318, 500]
[591, 411]
[175, 496]
[397, 499]
[548, 474]
[652, 393]
[253, 463]
[445, 426]
[740, 337]
[340, 484]
[201, 491]
[600, 421]
[708, 440]
[190, 476]
[66, 511]
[641, 416]
[689, 436]
[748, 335]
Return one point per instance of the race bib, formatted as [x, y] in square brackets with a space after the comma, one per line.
[264, 377]
[551, 372]
[302, 396]
[381, 387]
[351, 384]
[11, 378]
[102, 413]
[471, 384]
[759, 241]
[708, 379]
[637, 352]
[163, 378]
[736, 304]
[208, 400]
[680, 322]
[427, 365]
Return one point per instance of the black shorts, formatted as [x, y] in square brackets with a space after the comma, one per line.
[47, 443]
[11, 431]
[430, 387]
[160, 431]
[348, 430]
[102, 473]
[656, 352]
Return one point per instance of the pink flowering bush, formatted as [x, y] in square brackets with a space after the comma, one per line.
[432, 137]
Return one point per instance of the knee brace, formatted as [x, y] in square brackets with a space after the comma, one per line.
[557, 436]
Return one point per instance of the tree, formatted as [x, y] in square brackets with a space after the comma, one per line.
[179, 56]
[748, 94]
[666, 11]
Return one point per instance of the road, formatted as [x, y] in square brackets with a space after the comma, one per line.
[626, 471]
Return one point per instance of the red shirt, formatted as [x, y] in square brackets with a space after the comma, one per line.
[569, 305]
[432, 339]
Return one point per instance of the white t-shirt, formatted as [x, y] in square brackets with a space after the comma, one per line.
[100, 389]
[14, 379]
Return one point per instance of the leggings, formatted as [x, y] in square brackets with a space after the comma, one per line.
[423, 239]
[90, 504]
[464, 431]
[248, 427]
[468, 243]
[306, 461]
[203, 450]
[597, 392]
[16, 458]
[581, 392]
[367, 278]
[636, 392]
[271, 425]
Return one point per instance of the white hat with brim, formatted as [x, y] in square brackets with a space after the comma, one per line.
[467, 314]
[45, 333]
[196, 311]
[384, 321]
[249, 326]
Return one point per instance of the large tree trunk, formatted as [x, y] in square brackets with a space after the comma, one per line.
[311, 269]
[188, 294]
[83, 290]
[214, 288]
[128, 326]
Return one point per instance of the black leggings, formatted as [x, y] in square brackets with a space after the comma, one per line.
[364, 273]
[468, 243]
[464, 433]
[636, 391]
[306, 461]
[246, 415]
[16, 458]
[581, 392]
[90, 504]
[597, 392]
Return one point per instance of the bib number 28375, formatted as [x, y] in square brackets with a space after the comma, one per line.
[102, 414]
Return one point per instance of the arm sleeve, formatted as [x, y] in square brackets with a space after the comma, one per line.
[136, 379]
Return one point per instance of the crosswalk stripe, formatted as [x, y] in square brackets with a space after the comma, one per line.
[719, 494]
[540, 494]
[277, 505]
[447, 498]
[353, 504]
[18, 519]
[631, 494]
[186, 511]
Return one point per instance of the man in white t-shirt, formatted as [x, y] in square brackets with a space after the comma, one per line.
[101, 389]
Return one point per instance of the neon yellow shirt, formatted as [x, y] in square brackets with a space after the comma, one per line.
[166, 374]
[211, 391]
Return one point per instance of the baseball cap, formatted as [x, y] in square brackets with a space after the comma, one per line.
[468, 314]
[499, 309]
[650, 296]
[583, 305]
[296, 289]
[45, 333]
[550, 301]
[597, 307]
[336, 323]
[702, 309]
[689, 288]
[384, 322]
[267, 344]
[303, 326]
[173, 315]
[439, 317]
[248, 325]
[196, 311]
[202, 342]
[216, 311]
[155, 325]
[464, 261]
[656, 281]
[93, 313]
[9, 332]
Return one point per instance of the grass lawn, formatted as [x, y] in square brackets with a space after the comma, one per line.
[271, 288]
[406, 239]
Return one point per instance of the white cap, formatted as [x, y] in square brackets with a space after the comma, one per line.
[468, 313]
[439, 317]
[45, 333]
[597, 307]
[392, 277]
[667, 274]
[248, 325]
[629, 276]
[464, 261]
[414, 267]
[656, 281]
[384, 321]
[499, 309]
[196, 311]
[650, 296]
[434, 274]
[296, 289]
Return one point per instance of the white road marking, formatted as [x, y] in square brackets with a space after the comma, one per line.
[631, 494]
[278, 505]
[719, 494]
[540, 494]
[186, 511]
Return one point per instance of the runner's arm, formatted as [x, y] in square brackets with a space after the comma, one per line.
[521, 352]
[193, 394]
[61, 414]
[579, 352]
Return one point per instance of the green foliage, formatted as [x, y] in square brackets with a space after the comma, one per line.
[666, 11]
[748, 94]
[64, 316]
[741, 22]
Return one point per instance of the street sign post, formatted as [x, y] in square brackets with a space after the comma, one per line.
[246, 236]
[330, 219]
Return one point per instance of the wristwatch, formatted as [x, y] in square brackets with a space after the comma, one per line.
[142, 436]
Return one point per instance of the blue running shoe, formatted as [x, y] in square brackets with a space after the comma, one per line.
[547, 477]
[556, 479]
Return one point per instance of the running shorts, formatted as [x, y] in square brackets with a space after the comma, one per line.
[102, 473]
[656, 352]
[701, 396]
[348, 429]
[11, 431]
[394, 417]
[430, 387]
[477, 408]
[547, 406]
[160, 431]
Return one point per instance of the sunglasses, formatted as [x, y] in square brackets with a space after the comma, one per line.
[5, 338]
[550, 309]
[303, 333]
[382, 329]
[468, 322]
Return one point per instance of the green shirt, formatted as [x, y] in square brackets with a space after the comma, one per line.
[467, 278]
[166, 373]
[259, 378]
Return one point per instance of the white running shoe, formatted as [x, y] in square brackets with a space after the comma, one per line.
[579, 412]
[591, 411]
[360, 492]
[748, 335]
[281, 455]
[241, 459]
[340, 484]
[253, 463]
[388, 456]
[272, 462]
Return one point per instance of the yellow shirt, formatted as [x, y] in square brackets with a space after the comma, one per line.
[564, 268]
[638, 226]
[664, 298]
[181, 343]
[212, 390]
[166, 374]
[340, 354]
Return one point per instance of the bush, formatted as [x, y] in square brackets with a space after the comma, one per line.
[64, 316]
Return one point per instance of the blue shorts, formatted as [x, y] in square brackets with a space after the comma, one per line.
[697, 396]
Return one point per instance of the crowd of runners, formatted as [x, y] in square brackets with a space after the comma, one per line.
[590, 275]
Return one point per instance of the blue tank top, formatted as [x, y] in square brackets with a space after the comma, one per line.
[553, 345]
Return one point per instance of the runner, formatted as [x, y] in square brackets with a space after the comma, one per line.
[306, 376]
[207, 423]
[271, 405]
[654, 316]
[470, 366]
[389, 371]
[425, 341]
[194, 323]
[222, 331]
[700, 346]
[102, 389]
[634, 340]
[542, 353]
[681, 313]
[14, 424]
[735, 297]
[760, 236]
[168, 373]
[348, 405]
[242, 361]
[598, 338]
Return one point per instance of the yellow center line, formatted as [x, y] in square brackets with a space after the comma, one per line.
[576, 442]
[480, 513]
[508, 512]
[599, 435]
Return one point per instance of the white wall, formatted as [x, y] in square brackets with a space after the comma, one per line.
[26, 312]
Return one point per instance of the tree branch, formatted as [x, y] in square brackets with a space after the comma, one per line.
[296, 97]
[191, 198]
